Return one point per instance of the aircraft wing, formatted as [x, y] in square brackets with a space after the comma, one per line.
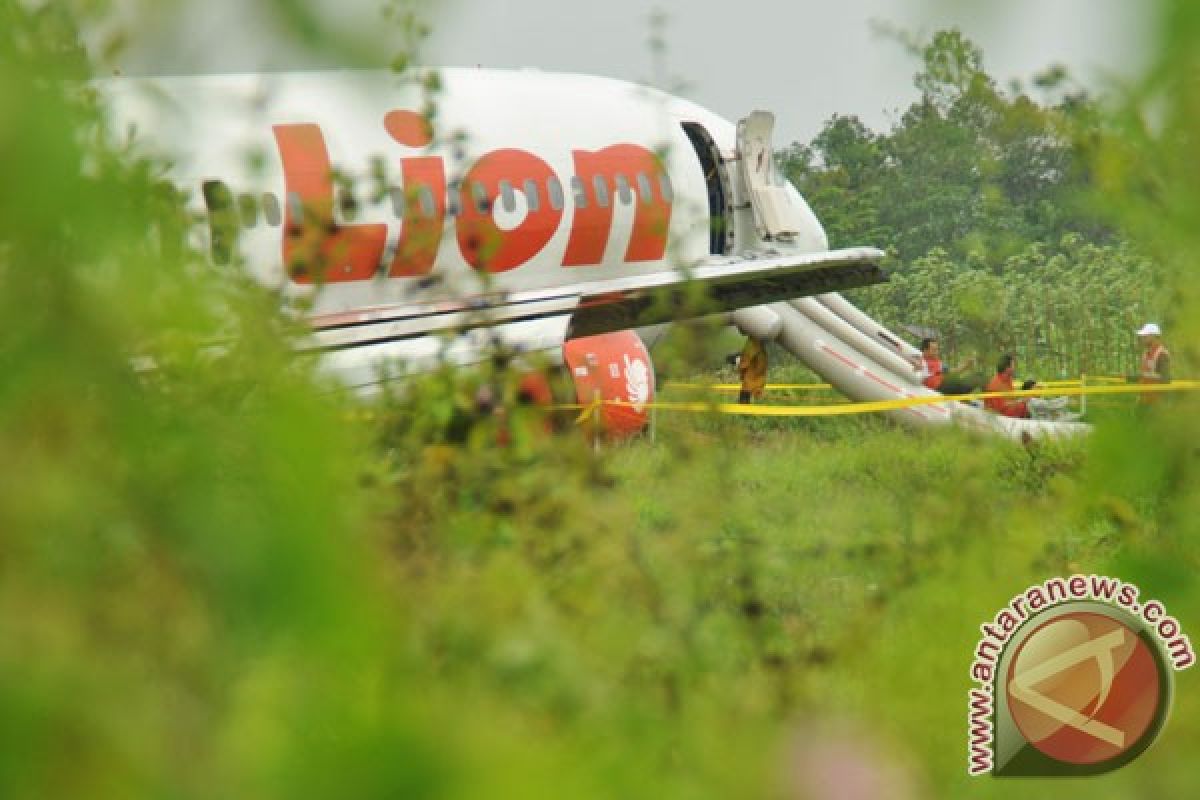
[727, 284]
[541, 319]
[615, 303]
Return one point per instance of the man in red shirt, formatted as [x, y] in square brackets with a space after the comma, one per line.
[932, 371]
[1003, 382]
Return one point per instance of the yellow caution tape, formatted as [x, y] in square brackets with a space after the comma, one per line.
[587, 411]
[1064, 389]
[733, 387]
[874, 406]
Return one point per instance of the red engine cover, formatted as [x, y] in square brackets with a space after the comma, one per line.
[613, 366]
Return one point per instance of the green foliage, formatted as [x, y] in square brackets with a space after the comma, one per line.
[1065, 310]
[968, 168]
[181, 591]
[987, 203]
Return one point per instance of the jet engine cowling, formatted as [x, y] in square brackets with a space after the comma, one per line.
[614, 372]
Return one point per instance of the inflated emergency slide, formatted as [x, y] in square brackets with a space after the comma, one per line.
[866, 362]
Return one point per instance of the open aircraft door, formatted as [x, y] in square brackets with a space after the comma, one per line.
[777, 214]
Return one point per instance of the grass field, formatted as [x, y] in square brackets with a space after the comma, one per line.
[700, 614]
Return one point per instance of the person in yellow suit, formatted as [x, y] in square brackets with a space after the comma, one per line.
[752, 367]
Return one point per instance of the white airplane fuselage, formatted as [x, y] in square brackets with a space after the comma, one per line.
[387, 204]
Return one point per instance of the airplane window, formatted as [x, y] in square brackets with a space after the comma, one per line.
[479, 193]
[425, 198]
[601, 188]
[217, 197]
[664, 186]
[295, 208]
[222, 220]
[531, 194]
[396, 195]
[348, 203]
[508, 197]
[579, 191]
[644, 189]
[248, 209]
[555, 190]
[270, 209]
[624, 193]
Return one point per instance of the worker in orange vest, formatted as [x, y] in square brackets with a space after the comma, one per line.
[1003, 382]
[1156, 359]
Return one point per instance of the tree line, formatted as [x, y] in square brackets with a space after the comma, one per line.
[984, 198]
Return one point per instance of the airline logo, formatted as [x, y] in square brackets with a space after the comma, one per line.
[637, 382]
[1074, 679]
[316, 246]
[1083, 688]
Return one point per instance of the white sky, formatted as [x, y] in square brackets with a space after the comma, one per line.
[805, 59]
